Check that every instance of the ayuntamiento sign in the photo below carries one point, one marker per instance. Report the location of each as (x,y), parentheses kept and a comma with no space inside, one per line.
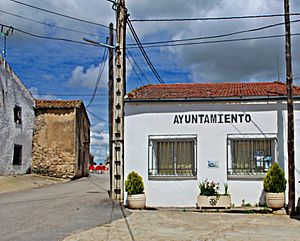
(212,118)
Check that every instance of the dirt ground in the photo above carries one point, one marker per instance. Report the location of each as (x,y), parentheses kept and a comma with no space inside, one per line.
(14,183)
(187,225)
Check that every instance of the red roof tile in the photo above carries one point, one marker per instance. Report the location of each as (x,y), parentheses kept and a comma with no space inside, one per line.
(212,90)
(57,104)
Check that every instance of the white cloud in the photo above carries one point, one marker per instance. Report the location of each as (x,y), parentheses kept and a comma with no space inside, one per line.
(87,78)
(235,61)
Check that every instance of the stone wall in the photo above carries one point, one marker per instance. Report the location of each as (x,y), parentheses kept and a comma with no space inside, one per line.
(53,143)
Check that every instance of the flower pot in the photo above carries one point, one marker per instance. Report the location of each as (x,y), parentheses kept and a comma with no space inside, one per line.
(136,201)
(275,200)
(218,201)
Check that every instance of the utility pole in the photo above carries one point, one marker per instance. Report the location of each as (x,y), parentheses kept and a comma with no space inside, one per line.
(110,95)
(290,110)
(118,105)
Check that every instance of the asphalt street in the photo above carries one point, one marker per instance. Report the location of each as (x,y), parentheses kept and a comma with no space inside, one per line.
(54,212)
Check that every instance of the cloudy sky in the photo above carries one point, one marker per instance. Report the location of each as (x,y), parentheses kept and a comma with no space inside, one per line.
(54,69)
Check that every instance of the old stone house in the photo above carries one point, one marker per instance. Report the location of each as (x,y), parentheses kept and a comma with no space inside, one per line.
(61,139)
(16,122)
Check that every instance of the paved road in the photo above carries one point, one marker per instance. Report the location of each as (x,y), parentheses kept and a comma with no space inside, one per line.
(179,225)
(54,212)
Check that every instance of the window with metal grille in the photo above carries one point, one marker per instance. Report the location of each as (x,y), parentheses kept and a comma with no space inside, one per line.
(172,156)
(251,156)
(18,114)
(17,155)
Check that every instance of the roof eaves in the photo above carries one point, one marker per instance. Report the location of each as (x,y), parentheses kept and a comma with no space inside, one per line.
(240,98)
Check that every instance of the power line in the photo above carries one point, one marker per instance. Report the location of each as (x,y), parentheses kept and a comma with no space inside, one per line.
(212,18)
(59,94)
(140,46)
(217,36)
(101,69)
(136,64)
(47,24)
(102,104)
(97,117)
(134,70)
(49,38)
(60,14)
(216,41)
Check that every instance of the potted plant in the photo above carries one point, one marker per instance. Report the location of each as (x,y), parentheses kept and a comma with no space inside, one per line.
(274,187)
(134,186)
(210,197)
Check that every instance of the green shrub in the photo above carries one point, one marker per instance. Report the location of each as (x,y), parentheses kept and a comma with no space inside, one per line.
(275,181)
(134,184)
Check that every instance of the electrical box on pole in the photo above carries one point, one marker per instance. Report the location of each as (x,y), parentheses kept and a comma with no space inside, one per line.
(117,157)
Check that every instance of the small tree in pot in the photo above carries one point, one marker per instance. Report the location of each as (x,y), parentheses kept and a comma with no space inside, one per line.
(275,186)
(134,186)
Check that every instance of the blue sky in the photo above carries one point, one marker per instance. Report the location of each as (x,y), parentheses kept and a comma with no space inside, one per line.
(64,70)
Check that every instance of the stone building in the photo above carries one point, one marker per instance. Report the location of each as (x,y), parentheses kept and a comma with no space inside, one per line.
(16,122)
(61,139)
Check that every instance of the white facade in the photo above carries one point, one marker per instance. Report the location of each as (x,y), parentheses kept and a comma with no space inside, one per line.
(255,119)
(15,134)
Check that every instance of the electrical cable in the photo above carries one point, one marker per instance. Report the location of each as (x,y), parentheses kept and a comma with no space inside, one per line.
(50,38)
(59,94)
(134,70)
(136,64)
(140,46)
(216,36)
(217,41)
(101,69)
(101,104)
(48,24)
(60,14)
(213,18)
(97,117)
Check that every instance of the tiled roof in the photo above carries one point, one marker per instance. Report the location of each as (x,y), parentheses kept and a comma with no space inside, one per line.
(212,90)
(57,104)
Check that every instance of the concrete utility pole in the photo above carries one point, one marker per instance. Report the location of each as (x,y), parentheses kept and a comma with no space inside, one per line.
(117,163)
(290,110)
(110,94)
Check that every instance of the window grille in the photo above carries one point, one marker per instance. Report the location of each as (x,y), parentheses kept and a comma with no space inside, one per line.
(251,156)
(172,157)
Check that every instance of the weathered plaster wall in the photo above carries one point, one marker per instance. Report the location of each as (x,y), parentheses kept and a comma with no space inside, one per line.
(54,144)
(82,143)
(13,92)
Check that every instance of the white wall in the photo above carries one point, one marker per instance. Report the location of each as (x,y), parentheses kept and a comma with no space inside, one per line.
(13,92)
(297,153)
(144,119)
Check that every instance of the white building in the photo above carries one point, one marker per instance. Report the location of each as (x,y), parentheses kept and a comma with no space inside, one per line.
(16,122)
(178,135)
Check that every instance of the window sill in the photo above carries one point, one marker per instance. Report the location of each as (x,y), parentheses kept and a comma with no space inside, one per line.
(246,177)
(172,178)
